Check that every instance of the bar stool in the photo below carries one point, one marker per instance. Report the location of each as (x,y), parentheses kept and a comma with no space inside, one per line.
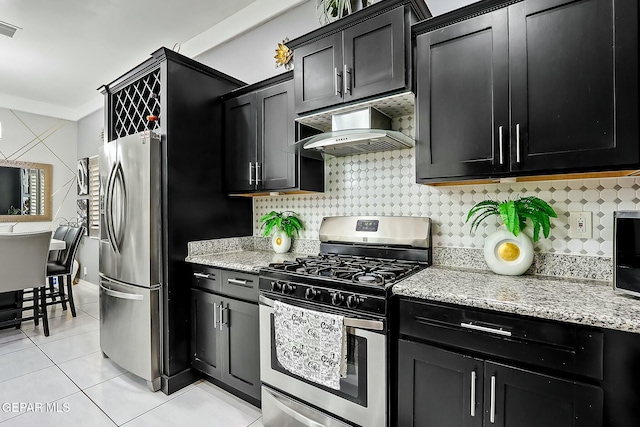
(61,267)
(23,260)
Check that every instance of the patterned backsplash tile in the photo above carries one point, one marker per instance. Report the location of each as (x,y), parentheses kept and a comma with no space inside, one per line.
(383,183)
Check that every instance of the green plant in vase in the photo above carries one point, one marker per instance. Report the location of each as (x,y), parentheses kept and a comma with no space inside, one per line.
(510,251)
(283,225)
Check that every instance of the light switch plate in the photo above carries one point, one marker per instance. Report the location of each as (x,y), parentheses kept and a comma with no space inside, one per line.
(580,225)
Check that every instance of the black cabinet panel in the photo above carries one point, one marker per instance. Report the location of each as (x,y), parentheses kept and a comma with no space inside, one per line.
(527,399)
(374,56)
(241,142)
(242,349)
(564,99)
(462,85)
(205,348)
(260,127)
(536,87)
(276,131)
(436,387)
(318,75)
(366,59)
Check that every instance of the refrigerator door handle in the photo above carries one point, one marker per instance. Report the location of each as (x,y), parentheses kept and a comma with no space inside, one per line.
(121,295)
(122,205)
(108,207)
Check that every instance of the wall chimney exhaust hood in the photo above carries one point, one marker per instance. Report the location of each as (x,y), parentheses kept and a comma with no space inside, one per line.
(358,129)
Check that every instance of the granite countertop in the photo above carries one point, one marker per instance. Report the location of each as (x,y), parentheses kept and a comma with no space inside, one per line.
(591,303)
(250,260)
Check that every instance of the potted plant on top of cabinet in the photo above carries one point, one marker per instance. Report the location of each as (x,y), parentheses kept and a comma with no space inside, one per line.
(507,250)
(284,224)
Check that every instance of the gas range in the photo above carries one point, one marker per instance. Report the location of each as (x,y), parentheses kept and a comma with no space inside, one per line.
(360,260)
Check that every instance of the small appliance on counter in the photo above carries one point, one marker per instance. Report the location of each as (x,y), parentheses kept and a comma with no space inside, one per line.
(626,252)
(360,260)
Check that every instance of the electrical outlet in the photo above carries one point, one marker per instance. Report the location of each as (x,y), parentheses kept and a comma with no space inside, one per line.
(580,225)
(84,272)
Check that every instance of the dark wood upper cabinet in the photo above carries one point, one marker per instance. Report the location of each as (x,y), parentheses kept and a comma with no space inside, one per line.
(463,96)
(276,132)
(538,87)
(318,75)
(260,128)
(363,55)
(374,56)
(241,142)
(574,84)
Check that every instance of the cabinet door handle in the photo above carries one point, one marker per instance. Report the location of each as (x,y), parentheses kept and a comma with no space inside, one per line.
(500,144)
(258,173)
(215,315)
(473,393)
(475,327)
(251,167)
(337,86)
(346,79)
(492,415)
(518,143)
(222,309)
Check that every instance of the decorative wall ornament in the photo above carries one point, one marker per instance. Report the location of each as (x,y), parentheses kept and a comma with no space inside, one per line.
(83,214)
(284,55)
(82,177)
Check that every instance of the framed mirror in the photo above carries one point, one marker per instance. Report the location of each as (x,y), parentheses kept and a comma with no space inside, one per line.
(25,191)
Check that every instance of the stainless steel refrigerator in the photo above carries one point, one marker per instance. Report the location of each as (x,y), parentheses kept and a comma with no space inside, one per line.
(131,278)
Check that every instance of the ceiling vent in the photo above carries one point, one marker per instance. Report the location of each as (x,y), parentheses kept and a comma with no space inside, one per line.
(8,29)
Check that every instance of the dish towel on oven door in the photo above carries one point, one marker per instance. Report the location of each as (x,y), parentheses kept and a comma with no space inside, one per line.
(311,344)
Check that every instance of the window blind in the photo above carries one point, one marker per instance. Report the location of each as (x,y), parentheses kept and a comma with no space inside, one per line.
(94,197)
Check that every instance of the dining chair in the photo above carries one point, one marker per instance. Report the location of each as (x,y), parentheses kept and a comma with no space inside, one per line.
(61,267)
(23,264)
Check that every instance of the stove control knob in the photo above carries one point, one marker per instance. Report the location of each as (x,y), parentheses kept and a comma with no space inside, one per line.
(311,293)
(353,301)
(276,286)
(337,298)
(287,288)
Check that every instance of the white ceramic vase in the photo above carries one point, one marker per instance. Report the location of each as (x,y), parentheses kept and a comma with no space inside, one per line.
(280,242)
(507,254)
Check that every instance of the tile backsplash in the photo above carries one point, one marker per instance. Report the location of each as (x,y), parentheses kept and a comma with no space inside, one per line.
(383,183)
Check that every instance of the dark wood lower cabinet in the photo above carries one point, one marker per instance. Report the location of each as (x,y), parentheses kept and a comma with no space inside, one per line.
(225,341)
(527,399)
(439,388)
(436,387)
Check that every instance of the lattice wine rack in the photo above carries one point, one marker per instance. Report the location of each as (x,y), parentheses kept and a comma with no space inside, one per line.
(133,104)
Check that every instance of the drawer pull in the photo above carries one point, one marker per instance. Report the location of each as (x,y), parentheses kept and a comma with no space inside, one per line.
(486,329)
(204,276)
(238,282)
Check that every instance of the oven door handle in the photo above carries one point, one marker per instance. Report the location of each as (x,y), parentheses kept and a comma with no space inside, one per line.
(374,325)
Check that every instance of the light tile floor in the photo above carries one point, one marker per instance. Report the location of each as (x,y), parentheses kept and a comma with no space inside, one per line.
(63,380)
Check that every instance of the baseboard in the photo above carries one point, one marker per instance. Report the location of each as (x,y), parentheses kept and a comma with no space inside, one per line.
(178,381)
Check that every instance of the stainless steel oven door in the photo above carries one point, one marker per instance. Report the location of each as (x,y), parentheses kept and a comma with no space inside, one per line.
(362,398)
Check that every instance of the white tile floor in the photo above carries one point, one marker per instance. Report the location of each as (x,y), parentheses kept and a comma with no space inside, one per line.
(63,380)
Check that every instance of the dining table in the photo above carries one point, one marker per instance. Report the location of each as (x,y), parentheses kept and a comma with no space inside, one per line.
(57,245)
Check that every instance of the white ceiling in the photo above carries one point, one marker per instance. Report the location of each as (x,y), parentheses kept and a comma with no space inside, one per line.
(66,49)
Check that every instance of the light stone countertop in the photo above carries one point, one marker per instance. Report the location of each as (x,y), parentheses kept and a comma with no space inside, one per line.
(250,261)
(590,303)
